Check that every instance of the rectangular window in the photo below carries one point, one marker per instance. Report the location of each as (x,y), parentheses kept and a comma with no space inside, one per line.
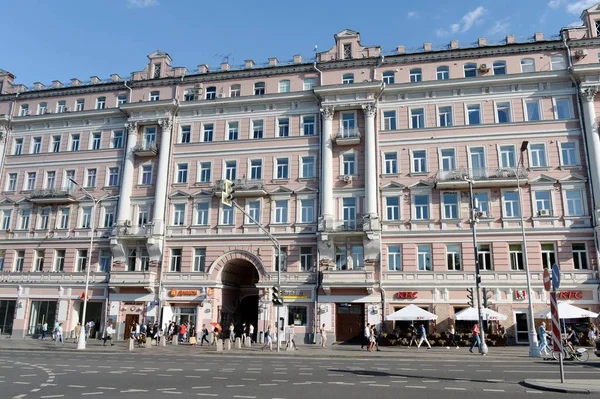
(543,206)
(394,258)
(63,218)
(182,173)
(37,145)
(389,77)
(75,142)
(185,135)
(537,154)
(484,257)
(453,257)
(101,103)
(109,217)
(146,179)
(282,166)
(178,214)
(557,63)
(444,116)
(415,75)
(230,170)
(207,132)
(55,144)
(532,110)
(417,118)
(341,258)
(79,105)
(568,154)
(6,219)
(574,203)
(306,259)
(450,204)
(204,172)
(443,73)
(392,208)
(424,257)
(548,256)
(31,177)
(253,209)
(309,83)
(255,169)
(482,203)
(448,159)
(284,127)
(281,262)
(154,96)
(516,257)
(562,108)
(122,99)
(96,140)
(233,131)
(419,164)
(470,70)
(389,120)
(175,265)
(82,258)
(307,167)
(59,260)
(90,180)
(473,114)
(507,156)
(12,182)
(38,265)
(202,212)
(19,260)
(348,164)
(281,211)
(421,207)
(61,107)
(86,217)
(18,148)
(113,177)
(503,112)
(308,125)
(105,261)
(50,179)
(200,260)
(235,91)
(117,139)
(24,110)
(44,219)
(527,65)
(307,211)
(510,200)
(257,129)
(227,216)
(580,258)
(390,163)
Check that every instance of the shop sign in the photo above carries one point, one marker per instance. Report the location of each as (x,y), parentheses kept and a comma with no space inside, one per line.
(520,295)
(178,293)
(295,294)
(406,295)
(570,295)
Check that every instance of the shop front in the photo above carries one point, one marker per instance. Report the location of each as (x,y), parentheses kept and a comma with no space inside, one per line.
(345,313)
(298,312)
(130,306)
(185,305)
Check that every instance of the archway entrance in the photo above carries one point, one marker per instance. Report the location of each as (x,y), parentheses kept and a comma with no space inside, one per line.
(240,295)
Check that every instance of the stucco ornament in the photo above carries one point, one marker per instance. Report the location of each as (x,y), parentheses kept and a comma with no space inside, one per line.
(588,93)
(328,112)
(369,109)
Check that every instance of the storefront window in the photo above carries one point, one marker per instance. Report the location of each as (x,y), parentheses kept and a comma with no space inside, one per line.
(7,314)
(297,315)
(41,312)
(184,315)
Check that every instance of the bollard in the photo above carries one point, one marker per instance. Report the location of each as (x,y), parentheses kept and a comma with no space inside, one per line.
(163,341)
(220,345)
(228,345)
(130,344)
(238,343)
(248,341)
(175,340)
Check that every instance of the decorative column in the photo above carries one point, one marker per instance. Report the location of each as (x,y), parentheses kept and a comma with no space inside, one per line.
(370,162)
(327,163)
(160,195)
(127,175)
(587,94)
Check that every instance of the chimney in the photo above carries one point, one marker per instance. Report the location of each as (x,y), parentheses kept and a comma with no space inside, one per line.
(273,61)
(427,46)
(203,68)
(114,77)
(20,88)
(538,36)
(38,86)
(75,82)
(482,42)
(510,39)
(249,64)
(297,59)
(224,66)
(56,84)
(453,44)
(180,71)
(400,49)
(94,79)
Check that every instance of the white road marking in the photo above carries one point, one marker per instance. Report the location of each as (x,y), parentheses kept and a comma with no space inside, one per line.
(201,369)
(204,387)
(207,394)
(76,386)
(424,381)
(109,388)
(378,385)
(92,393)
(139,373)
(28,375)
(173,369)
(533,391)
(267,385)
(52,396)
(493,390)
(279,380)
(341,383)
(21,382)
(455,389)
(248,379)
(172,392)
(90,372)
(305,373)
(134,390)
(219,378)
(244,397)
(368,382)
(193,376)
(164,375)
(234,386)
(166,389)
(415,386)
(429,369)
(20,396)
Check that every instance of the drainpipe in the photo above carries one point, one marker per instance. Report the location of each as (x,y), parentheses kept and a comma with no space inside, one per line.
(585,146)
(317,321)
(377,66)
(8,131)
(317,69)
(130,91)
(377,164)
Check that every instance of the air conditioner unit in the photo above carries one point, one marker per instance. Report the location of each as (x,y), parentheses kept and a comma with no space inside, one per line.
(484,68)
(347,178)
(198,86)
(481,214)
(220,95)
(128,223)
(543,212)
(580,53)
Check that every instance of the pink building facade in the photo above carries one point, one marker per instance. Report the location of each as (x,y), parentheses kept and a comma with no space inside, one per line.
(358,162)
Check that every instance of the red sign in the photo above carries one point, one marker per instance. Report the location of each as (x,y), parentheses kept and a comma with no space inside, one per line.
(406,295)
(521,294)
(177,293)
(570,295)
(547,280)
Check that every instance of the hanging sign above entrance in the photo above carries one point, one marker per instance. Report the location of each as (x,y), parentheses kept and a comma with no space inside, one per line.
(570,295)
(178,293)
(406,294)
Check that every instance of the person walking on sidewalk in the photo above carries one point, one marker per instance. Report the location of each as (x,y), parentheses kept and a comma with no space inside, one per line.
(232,333)
(108,333)
(77,331)
(476,338)
(366,337)
(268,340)
(323,336)
(204,335)
(452,337)
(291,342)
(413,334)
(251,333)
(44,330)
(59,334)
(542,335)
(423,337)
(244,333)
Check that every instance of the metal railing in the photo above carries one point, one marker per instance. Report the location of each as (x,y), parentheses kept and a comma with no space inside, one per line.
(241,185)
(482,174)
(357,224)
(144,230)
(348,133)
(53,193)
(146,147)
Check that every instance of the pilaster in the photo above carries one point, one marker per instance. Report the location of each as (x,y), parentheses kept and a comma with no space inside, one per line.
(587,95)
(327,162)
(127,175)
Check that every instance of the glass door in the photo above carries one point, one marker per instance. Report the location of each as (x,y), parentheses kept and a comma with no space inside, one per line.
(348,125)
(521,327)
(349,213)
(41,312)
(477,162)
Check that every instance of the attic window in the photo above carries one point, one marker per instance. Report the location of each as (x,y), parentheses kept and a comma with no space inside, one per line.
(347,51)
(156,72)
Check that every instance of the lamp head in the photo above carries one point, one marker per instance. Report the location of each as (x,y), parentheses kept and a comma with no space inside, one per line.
(524,146)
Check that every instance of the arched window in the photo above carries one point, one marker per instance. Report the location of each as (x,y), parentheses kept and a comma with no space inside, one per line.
(284,86)
(389,77)
(259,88)
(348,78)
(235,91)
(499,67)
(211,93)
(527,65)
(416,75)
(443,73)
(470,70)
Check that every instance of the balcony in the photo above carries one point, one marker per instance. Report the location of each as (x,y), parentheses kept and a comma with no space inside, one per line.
(133,232)
(482,177)
(145,149)
(356,225)
(51,278)
(146,279)
(243,188)
(52,196)
(356,278)
(348,136)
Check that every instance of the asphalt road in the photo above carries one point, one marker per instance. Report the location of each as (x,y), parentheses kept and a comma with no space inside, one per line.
(74,375)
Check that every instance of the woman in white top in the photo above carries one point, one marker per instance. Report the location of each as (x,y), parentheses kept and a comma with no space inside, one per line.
(452,337)
(59,334)
(323,336)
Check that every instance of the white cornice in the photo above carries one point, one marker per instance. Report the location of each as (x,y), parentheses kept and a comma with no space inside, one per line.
(95,113)
(149,105)
(229,101)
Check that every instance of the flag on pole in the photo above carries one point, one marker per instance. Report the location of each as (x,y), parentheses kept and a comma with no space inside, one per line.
(83,295)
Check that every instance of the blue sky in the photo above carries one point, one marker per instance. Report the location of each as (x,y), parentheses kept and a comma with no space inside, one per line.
(61,39)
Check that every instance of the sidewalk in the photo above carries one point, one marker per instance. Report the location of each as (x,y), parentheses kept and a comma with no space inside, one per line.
(573,386)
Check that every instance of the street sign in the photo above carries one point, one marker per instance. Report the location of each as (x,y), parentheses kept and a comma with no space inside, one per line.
(555,276)
(547,280)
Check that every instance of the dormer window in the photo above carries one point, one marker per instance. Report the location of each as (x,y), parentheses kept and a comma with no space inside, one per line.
(597,25)
(101,103)
(154,96)
(211,93)
(389,77)
(156,70)
(348,79)
(259,88)
(347,51)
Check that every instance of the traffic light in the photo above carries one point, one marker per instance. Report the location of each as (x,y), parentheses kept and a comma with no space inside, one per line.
(276,296)
(487,295)
(471,303)
(227,193)
(281,326)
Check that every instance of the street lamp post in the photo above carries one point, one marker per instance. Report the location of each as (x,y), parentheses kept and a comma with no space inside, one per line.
(534,350)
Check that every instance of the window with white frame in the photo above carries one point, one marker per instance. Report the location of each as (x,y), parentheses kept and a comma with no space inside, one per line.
(470,70)
(90,178)
(527,65)
(227,216)
(64,214)
(146,178)
(259,88)
(96,140)
(308,125)
(580,257)
(86,217)
(105,261)
(445,116)
(113,177)
(75,139)
(349,212)
(358,257)
(19,260)
(453,257)
(11,182)
(574,200)
(341,257)
(257,129)
(306,259)
(415,75)
(309,83)
(484,256)
(515,253)
(389,120)
(503,112)
(417,118)
(283,125)
(284,86)
(42,108)
(24,110)
(282,168)
(235,90)
(421,206)
(55,146)
(307,167)
(499,68)
(419,161)
(199,260)
(207,132)
(507,156)
(185,134)
(82,258)
(154,96)
(80,105)
(6,219)
(230,170)
(281,211)
(548,255)
(392,208)
(178,214)
(211,93)
(389,77)
(59,260)
(532,110)
(50,179)
(394,258)
(568,154)
(482,202)
(176,257)
(101,103)
(390,163)
(233,131)
(537,155)
(510,200)
(307,211)
(117,139)
(255,169)
(557,62)
(121,99)
(31,180)
(424,257)
(562,108)
(348,78)
(18,146)
(473,114)
(543,204)
(68,179)
(109,217)
(61,106)
(132,260)
(253,207)
(448,159)
(202,213)
(36,147)
(149,136)
(182,173)
(204,172)
(442,73)
(44,219)
(348,164)
(450,205)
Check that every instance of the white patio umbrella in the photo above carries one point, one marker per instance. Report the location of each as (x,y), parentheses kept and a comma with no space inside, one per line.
(472,314)
(567,311)
(411,313)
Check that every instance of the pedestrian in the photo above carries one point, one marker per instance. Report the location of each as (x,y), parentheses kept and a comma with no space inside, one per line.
(182,332)
(77,331)
(268,340)
(216,332)
(231,332)
(543,343)
(423,337)
(452,337)
(476,338)
(54,330)
(108,333)
(136,331)
(291,342)
(204,335)
(323,336)
(44,329)
(413,334)
(251,333)
(377,334)
(366,336)
(372,339)
(244,333)
(59,334)
(192,334)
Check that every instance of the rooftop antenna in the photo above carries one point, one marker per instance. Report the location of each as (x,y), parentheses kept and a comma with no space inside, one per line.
(225,57)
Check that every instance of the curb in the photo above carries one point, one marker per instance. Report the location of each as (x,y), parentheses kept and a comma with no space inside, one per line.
(547,388)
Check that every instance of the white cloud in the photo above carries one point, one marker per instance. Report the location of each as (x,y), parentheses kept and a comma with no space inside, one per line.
(441,32)
(142,3)
(500,27)
(578,6)
(412,14)
(575,23)
(466,22)
(555,3)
